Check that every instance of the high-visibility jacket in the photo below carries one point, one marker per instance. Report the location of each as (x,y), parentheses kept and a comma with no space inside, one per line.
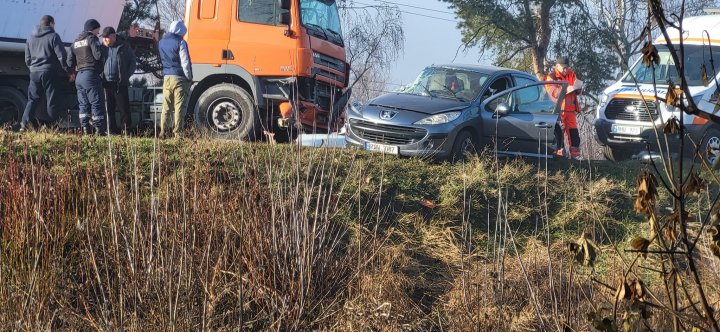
(570,104)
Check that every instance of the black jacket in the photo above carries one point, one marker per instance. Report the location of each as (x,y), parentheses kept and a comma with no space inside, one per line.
(44,51)
(120,63)
(86,53)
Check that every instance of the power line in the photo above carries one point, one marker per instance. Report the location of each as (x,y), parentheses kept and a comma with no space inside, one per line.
(416,7)
(411,13)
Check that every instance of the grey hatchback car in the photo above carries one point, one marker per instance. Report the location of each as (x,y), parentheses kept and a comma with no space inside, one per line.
(451,111)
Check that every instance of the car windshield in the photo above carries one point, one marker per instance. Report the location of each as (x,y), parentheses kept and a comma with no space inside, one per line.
(448,83)
(695,57)
(323,15)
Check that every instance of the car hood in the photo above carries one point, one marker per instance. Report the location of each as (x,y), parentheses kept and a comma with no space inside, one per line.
(419,104)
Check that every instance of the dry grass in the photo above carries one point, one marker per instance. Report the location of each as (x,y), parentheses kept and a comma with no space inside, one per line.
(136,234)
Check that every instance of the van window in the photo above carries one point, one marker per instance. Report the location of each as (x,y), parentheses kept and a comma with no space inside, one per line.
(694,58)
(259,11)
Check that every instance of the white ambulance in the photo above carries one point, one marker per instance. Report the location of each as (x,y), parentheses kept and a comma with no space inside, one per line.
(625,128)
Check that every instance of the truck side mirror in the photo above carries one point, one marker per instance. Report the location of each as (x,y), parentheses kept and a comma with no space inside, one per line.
(284,4)
(285,18)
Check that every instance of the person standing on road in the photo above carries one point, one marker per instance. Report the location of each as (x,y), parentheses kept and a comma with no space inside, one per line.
(120,64)
(562,72)
(45,57)
(177,71)
(86,56)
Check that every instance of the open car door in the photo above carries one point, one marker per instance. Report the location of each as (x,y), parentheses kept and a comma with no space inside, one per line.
(521,121)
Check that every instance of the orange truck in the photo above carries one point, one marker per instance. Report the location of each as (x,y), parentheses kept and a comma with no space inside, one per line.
(266,66)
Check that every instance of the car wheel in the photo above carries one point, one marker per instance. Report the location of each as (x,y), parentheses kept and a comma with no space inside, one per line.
(616,155)
(710,149)
(12,105)
(227,111)
(464,147)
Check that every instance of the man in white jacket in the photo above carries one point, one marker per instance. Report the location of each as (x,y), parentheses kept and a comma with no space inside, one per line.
(177,71)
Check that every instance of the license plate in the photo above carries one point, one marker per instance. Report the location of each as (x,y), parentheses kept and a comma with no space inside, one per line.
(391,149)
(627,130)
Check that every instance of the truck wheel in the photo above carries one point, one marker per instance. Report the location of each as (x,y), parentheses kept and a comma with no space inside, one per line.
(616,154)
(711,146)
(465,146)
(227,111)
(12,105)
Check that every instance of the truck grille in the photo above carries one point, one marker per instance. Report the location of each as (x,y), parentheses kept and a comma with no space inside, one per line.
(330,62)
(631,110)
(386,134)
(324,95)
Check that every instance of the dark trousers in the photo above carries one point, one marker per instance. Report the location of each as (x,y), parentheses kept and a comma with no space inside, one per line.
(573,135)
(91,99)
(43,83)
(118,100)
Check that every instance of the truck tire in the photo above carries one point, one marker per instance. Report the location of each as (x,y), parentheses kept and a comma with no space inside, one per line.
(710,148)
(465,146)
(12,105)
(227,111)
(616,155)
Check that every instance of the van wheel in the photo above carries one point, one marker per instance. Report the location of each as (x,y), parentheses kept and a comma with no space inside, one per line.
(464,147)
(12,105)
(616,154)
(710,148)
(227,111)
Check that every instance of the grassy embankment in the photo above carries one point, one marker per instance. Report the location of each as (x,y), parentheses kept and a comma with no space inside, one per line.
(137,234)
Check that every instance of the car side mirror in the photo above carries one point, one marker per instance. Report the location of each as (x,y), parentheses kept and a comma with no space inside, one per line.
(619,76)
(502,109)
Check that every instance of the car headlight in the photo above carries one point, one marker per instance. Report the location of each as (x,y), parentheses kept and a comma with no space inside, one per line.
(439,118)
(356,107)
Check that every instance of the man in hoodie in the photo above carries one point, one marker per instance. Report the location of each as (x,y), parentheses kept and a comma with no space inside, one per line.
(177,71)
(120,64)
(45,57)
(86,56)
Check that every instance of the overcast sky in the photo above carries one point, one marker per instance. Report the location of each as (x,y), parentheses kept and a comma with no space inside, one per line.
(427,40)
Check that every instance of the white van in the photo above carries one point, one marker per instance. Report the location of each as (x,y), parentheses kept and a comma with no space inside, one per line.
(623,126)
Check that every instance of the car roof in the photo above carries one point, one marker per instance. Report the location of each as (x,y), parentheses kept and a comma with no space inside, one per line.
(483,69)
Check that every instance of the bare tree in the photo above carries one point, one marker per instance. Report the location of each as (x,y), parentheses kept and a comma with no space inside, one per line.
(171,10)
(625,21)
(374,39)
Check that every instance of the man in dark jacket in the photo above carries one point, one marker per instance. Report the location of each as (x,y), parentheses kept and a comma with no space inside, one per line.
(86,56)
(177,71)
(120,64)
(45,57)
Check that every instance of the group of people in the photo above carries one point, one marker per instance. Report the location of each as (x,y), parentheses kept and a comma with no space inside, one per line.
(101,64)
(101,68)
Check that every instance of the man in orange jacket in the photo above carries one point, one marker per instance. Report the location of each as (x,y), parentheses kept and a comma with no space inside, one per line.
(562,72)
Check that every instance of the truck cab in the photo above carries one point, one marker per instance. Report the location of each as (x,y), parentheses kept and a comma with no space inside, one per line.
(266,66)
(629,115)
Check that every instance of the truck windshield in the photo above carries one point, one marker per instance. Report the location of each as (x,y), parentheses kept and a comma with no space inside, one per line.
(448,83)
(322,15)
(695,57)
